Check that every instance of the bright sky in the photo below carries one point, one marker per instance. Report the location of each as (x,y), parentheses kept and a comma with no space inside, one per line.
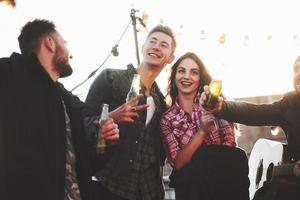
(262,37)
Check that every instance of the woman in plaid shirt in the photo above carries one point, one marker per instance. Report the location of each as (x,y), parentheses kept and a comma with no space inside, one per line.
(186,126)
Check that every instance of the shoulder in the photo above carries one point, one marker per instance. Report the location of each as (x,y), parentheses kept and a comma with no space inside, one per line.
(291,98)
(12,66)
(111,74)
(4,60)
(11,61)
(291,95)
(68,97)
(170,114)
(4,64)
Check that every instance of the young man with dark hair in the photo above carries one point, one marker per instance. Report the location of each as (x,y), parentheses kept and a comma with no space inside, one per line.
(133,166)
(44,152)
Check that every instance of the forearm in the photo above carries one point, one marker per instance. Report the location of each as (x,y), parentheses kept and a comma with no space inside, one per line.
(250,114)
(184,156)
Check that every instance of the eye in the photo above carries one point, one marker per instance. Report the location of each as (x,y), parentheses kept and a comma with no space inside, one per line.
(165,45)
(180,71)
(195,72)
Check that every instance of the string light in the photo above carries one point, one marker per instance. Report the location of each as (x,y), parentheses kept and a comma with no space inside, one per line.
(222,38)
(202,34)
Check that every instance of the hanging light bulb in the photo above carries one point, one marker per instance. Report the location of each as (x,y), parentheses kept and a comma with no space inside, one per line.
(296,39)
(145,17)
(202,34)
(161,21)
(222,38)
(246,40)
(181,29)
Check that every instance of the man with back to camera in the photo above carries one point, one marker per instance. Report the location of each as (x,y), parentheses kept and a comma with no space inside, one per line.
(44,152)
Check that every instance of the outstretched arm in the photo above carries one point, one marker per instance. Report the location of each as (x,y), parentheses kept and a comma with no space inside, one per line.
(246,113)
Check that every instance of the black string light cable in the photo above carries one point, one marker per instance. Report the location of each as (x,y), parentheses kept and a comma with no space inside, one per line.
(113,51)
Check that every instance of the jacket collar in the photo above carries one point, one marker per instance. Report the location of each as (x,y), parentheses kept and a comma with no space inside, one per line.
(32,63)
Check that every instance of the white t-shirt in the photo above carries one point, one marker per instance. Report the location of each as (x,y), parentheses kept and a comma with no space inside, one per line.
(150,109)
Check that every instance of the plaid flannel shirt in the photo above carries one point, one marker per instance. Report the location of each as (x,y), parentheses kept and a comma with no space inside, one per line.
(178,128)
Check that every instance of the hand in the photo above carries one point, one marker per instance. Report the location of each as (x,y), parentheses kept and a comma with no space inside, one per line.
(110,131)
(128,111)
(204,97)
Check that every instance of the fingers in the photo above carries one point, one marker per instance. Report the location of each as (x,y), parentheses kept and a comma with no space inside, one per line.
(110,130)
(134,100)
(220,99)
(141,107)
(108,125)
(206,89)
(207,117)
(203,98)
(95,123)
(204,94)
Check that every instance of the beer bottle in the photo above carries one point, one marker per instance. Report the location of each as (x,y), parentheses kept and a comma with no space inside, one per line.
(101,144)
(215,87)
(134,89)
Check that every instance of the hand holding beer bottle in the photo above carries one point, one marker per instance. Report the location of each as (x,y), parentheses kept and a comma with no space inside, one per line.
(211,97)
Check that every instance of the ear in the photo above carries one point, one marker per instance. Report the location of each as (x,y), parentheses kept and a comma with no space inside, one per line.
(49,43)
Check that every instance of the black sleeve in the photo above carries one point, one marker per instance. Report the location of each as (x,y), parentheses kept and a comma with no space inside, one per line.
(253,114)
(5,69)
(100,91)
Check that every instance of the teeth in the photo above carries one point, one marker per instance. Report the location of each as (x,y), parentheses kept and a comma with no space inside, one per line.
(185,83)
(152,54)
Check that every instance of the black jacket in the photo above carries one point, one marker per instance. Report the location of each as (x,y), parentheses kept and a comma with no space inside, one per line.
(111,87)
(114,86)
(33,133)
(284,113)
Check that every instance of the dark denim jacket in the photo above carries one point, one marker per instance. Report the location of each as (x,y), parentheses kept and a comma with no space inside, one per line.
(111,87)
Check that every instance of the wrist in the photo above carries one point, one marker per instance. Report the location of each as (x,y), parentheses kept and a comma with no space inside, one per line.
(202,132)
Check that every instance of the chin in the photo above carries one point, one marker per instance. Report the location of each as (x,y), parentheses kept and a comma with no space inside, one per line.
(66,71)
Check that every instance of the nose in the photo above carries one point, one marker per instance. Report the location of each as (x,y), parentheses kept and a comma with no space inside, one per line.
(156,46)
(186,75)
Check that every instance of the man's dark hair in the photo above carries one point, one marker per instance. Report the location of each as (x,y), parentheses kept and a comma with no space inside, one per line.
(31,32)
(166,30)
